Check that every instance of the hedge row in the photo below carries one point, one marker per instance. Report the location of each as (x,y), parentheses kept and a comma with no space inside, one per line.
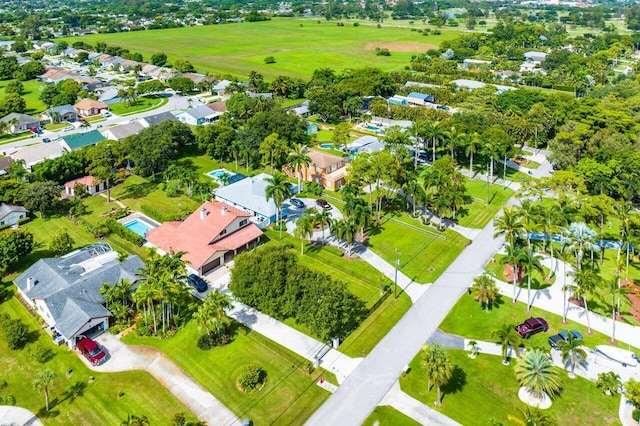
(119,229)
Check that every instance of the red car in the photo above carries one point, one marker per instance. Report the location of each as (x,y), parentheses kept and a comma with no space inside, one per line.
(90,350)
(531,327)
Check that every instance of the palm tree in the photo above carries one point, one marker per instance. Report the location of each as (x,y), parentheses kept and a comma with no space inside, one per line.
(507,336)
(580,238)
(609,381)
(413,189)
(585,281)
(439,368)
(304,229)
(344,229)
(278,190)
(44,383)
(133,420)
(415,130)
(531,262)
(535,371)
(361,216)
(548,218)
(572,352)
(484,290)
(564,255)
(436,132)
(323,219)
(534,416)
(527,211)
(515,257)
(219,303)
(107,293)
(613,288)
(510,225)
(473,143)
(299,158)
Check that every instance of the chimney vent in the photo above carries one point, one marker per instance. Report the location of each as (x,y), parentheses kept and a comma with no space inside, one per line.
(30,283)
(224,210)
(203,213)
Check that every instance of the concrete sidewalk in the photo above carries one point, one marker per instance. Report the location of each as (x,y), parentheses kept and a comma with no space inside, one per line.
(202,404)
(307,347)
(415,409)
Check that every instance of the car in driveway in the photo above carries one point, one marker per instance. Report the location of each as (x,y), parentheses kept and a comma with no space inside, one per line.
(299,204)
(323,204)
(91,350)
(198,283)
(46,140)
(531,326)
(563,336)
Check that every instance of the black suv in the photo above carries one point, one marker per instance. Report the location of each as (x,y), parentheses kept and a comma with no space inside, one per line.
(197,283)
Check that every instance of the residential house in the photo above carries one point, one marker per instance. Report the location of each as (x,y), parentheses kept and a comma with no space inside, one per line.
(260,95)
(472,84)
(324,169)
(220,107)
(117,133)
(93,185)
(88,107)
(210,237)
(65,291)
(469,64)
(220,87)
(21,123)
(420,99)
(249,194)
(197,78)
(109,96)
(149,70)
(5,162)
(156,118)
(36,154)
(365,144)
(538,57)
(80,140)
(88,83)
(398,100)
(11,215)
(6,44)
(199,115)
(60,113)
(302,110)
(418,84)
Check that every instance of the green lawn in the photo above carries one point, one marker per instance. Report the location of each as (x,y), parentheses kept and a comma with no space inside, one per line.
(290,395)
(384,415)
(538,280)
(469,320)
(8,138)
(145,103)
(73,400)
(483,391)
(478,213)
(31,93)
(423,256)
(363,281)
(52,127)
(239,48)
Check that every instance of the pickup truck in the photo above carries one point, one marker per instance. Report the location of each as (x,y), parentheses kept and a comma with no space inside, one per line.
(531,326)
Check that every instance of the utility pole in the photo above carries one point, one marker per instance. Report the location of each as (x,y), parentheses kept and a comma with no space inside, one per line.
(395,278)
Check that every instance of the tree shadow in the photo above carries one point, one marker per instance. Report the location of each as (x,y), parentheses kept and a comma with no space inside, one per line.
(139,190)
(497,303)
(456,383)
(75,391)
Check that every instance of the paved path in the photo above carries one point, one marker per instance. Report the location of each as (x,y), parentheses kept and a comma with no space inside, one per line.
(307,347)
(415,409)
(17,416)
(363,390)
(202,404)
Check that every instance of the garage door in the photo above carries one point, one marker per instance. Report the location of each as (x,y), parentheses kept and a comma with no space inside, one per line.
(210,266)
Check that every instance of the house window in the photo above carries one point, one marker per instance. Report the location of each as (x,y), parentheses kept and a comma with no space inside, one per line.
(224,231)
(243,222)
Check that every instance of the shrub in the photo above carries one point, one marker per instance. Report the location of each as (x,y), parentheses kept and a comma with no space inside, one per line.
(40,353)
(204,342)
(172,189)
(636,415)
(16,333)
(436,32)
(213,339)
(314,189)
(356,24)
(382,51)
(269,60)
(252,378)
(119,229)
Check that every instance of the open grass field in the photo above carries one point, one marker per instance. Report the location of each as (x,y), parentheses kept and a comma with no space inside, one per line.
(423,256)
(32,89)
(75,401)
(290,395)
(145,103)
(299,46)
(478,214)
(483,391)
(388,416)
(363,281)
(468,319)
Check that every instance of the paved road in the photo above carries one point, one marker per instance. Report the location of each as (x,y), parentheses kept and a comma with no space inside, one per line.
(363,390)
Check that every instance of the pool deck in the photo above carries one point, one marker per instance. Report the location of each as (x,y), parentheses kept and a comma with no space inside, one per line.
(140,216)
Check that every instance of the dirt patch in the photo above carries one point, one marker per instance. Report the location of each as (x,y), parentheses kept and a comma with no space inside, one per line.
(401,46)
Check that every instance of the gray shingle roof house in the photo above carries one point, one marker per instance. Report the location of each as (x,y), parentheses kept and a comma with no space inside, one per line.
(117,133)
(65,291)
(21,122)
(10,214)
(157,118)
(60,113)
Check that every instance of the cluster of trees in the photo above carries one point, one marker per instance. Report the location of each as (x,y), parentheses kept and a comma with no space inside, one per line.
(271,280)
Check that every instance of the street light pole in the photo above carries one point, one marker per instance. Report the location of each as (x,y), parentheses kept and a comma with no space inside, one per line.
(395,279)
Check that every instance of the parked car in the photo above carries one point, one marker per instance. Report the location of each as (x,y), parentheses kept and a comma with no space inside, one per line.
(323,203)
(443,107)
(46,140)
(91,350)
(297,203)
(531,326)
(197,283)
(563,336)
(68,129)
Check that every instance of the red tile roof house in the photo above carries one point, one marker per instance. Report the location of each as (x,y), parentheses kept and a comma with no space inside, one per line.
(93,186)
(210,236)
(89,107)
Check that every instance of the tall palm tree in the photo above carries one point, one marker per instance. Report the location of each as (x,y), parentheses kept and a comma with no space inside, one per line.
(613,288)
(585,281)
(527,211)
(565,256)
(472,144)
(572,352)
(439,368)
(531,262)
(413,189)
(580,238)
(547,220)
(344,229)
(44,383)
(515,257)
(510,225)
(299,158)
(323,219)
(535,371)
(415,130)
(107,293)
(507,336)
(304,229)
(624,210)
(434,131)
(361,216)
(484,290)
(278,191)
(220,303)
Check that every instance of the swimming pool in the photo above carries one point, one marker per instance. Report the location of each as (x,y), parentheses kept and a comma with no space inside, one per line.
(139,227)
(326,145)
(372,127)
(217,174)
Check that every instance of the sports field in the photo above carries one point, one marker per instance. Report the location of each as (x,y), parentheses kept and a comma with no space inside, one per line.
(299,46)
